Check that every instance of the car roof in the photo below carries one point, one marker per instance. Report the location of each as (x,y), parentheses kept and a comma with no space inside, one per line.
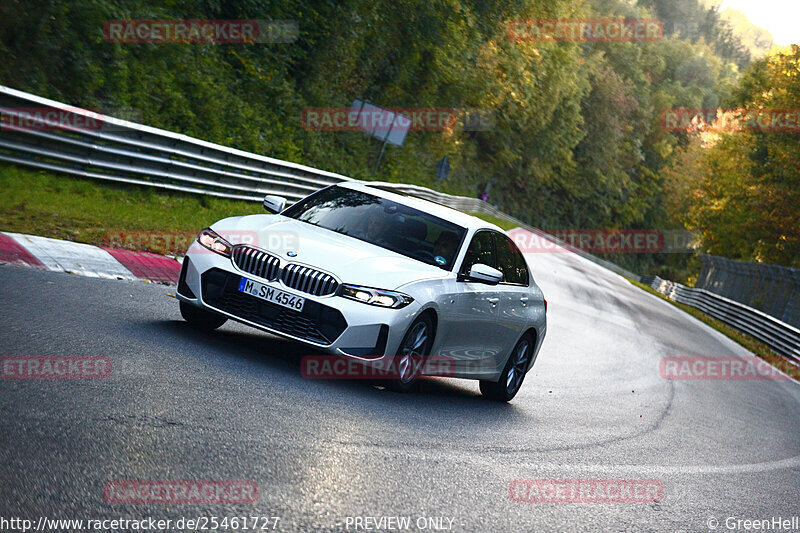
(442,211)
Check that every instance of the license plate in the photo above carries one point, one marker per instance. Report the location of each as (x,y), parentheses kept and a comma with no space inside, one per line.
(271,294)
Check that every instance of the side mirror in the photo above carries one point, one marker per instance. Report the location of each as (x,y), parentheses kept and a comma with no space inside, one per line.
(485,274)
(274,204)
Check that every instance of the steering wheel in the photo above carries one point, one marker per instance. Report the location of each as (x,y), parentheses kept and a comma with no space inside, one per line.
(424,255)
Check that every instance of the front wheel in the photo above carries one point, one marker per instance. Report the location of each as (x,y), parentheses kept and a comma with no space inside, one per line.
(200,318)
(411,354)
(513,374)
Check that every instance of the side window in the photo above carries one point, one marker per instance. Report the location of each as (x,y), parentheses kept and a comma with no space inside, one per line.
(505,259)
(481,250)
(510,261)
(523,276)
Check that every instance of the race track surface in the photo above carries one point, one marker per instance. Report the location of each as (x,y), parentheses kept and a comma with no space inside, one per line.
(232,405)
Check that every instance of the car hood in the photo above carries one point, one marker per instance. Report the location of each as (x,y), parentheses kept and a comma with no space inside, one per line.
(350,259)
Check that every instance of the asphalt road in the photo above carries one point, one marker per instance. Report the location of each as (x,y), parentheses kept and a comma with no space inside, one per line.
(232,405)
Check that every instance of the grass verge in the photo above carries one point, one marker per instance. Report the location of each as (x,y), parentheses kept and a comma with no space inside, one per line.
(496,221)
(104,213)
(753,345)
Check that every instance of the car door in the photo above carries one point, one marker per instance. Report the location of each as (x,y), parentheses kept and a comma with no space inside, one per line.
(513,310)
(473,339)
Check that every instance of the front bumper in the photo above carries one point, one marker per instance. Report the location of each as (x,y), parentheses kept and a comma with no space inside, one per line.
(331,323)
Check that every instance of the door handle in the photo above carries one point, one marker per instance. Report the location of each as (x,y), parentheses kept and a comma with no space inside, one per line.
(493,301)
(524,301)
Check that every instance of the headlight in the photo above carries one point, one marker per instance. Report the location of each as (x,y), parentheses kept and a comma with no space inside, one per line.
(214,242)
(378,297)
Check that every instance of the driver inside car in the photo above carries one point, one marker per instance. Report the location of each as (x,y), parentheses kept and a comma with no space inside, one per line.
(376,228)
(445,245)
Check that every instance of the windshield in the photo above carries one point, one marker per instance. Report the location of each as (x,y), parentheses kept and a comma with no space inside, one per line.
(382,222)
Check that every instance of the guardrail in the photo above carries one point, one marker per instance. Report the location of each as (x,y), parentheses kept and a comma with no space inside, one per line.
(773,289)
(781,337)
(462,203)
(117,150)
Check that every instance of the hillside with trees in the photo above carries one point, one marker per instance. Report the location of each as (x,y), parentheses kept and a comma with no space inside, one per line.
(576,137)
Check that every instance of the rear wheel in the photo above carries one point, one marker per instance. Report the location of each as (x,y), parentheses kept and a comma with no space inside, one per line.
(513,374)
(200,318)
(411,354)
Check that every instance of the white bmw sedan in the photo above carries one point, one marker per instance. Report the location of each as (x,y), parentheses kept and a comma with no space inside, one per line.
(386,280)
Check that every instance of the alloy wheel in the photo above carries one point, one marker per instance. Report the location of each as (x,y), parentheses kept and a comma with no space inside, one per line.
(517,371)
(412,352)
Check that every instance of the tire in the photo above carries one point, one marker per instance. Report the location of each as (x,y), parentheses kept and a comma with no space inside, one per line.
(513,374)
(415,346)
(200,318)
